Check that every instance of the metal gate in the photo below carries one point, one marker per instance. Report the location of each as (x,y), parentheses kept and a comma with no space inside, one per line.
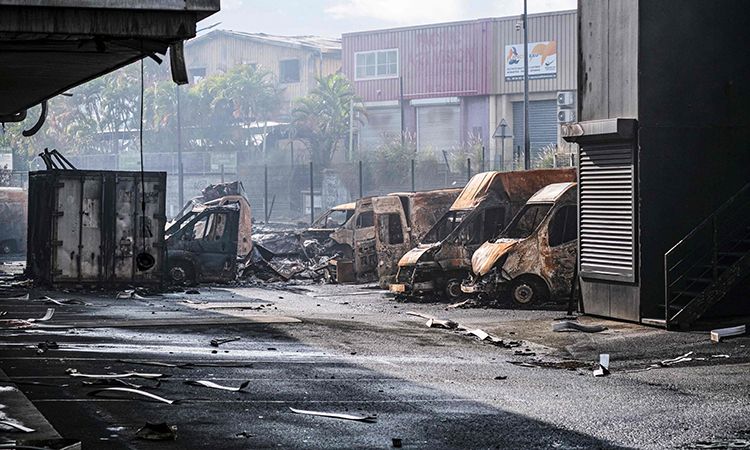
(380,122)
(438,127)
(542,126)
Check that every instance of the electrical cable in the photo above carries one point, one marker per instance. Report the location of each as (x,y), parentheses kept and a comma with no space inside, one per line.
(143,260)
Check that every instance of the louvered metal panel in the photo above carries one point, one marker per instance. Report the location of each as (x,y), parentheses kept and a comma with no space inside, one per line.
(542,125)
(607,212)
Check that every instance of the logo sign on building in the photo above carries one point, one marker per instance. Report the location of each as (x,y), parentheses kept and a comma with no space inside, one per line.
(542,61)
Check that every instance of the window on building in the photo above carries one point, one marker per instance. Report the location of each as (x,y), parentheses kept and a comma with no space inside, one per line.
(377,64)
(197,74)
(289,71)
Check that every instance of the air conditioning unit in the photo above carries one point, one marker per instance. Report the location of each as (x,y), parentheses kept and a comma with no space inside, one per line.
(565,98)
(566,116)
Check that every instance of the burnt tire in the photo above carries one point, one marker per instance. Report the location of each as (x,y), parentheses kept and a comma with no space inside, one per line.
(453,289)
(526,292)
(181,273)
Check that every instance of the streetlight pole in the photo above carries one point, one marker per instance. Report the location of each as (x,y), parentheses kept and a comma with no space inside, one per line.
(526,135)
(180,174)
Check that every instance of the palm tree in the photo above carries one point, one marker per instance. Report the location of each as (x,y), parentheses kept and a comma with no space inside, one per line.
(323,117)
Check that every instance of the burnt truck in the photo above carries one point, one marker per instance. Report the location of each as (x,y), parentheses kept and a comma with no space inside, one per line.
(327,223)
(534,258)
(485,206)
(204,243)
(402,219)
(381,229)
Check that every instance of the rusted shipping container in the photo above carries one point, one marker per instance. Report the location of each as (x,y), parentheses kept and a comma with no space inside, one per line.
(86,227)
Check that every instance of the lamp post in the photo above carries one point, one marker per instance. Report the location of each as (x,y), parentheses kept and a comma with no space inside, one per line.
(526,136)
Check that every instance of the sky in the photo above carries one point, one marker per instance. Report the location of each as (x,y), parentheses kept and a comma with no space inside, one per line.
(331,18)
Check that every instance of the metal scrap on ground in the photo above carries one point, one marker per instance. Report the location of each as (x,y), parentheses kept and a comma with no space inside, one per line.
(17,426)
(721,333)
(603,369)
(62,302)
(110,382)
(679,359)
(335,415)
(133,391)
(15,297)
(148,376)
(47,316)
(218,342)
(568,325)
(212,385)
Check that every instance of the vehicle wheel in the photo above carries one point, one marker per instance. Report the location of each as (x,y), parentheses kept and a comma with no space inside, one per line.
(181,273)
(527,292)
(453,289)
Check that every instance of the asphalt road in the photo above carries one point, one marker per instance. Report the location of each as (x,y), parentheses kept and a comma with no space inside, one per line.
(356,351)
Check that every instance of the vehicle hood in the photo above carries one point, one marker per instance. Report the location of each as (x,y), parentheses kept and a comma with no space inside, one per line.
(487,255)
(414,255)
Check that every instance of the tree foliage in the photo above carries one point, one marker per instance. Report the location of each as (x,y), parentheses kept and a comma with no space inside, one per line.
(322,117)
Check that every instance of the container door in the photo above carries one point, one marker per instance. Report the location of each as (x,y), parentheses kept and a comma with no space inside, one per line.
(391,235)
(365,256)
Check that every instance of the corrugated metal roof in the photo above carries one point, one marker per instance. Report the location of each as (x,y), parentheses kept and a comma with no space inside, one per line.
(312,43)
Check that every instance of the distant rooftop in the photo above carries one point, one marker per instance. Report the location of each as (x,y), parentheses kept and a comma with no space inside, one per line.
(312,43)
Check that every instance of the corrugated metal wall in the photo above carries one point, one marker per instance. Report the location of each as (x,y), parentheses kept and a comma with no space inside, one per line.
(559,26)
(446,59)
(542,125)
(209,54)
(463,58)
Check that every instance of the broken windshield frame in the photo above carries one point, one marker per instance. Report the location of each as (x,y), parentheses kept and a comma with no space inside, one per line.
(527,221)
(445,226)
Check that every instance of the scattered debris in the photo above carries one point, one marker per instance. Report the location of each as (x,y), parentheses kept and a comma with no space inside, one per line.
(397,443)
(526,352)
(17,426)
(441,323)
(47,316)
(212,385)
(148,376)
(679,359)
(603,369)
(46,345)
(719,356)
(110,382)
(15,297)
(154,363)
(501,377)
(521,364)
(244,434)
(721,333)
(133,391)
(462,304)
(721,444)
(218,342)
(193,292)
(62,302)
(568,325)
(335,415)
(18,323)
(157,432)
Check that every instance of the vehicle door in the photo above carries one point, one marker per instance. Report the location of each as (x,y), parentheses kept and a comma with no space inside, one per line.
(558,248)
(365,255)
(211,242)
(392,235)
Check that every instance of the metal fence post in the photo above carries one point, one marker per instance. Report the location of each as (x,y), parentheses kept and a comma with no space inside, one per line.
(360,180)
(482,158)
(265,191)
(468,169)
(312,196)
(413,184)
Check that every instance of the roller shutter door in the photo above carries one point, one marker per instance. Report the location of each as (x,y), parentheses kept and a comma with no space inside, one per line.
(607,239)
(438,127)
(542,125)
(380,122)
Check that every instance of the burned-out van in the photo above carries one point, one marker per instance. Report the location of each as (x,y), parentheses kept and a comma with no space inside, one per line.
(483,209)
(328,222)
(402,220)
(355,240)
(533,259)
